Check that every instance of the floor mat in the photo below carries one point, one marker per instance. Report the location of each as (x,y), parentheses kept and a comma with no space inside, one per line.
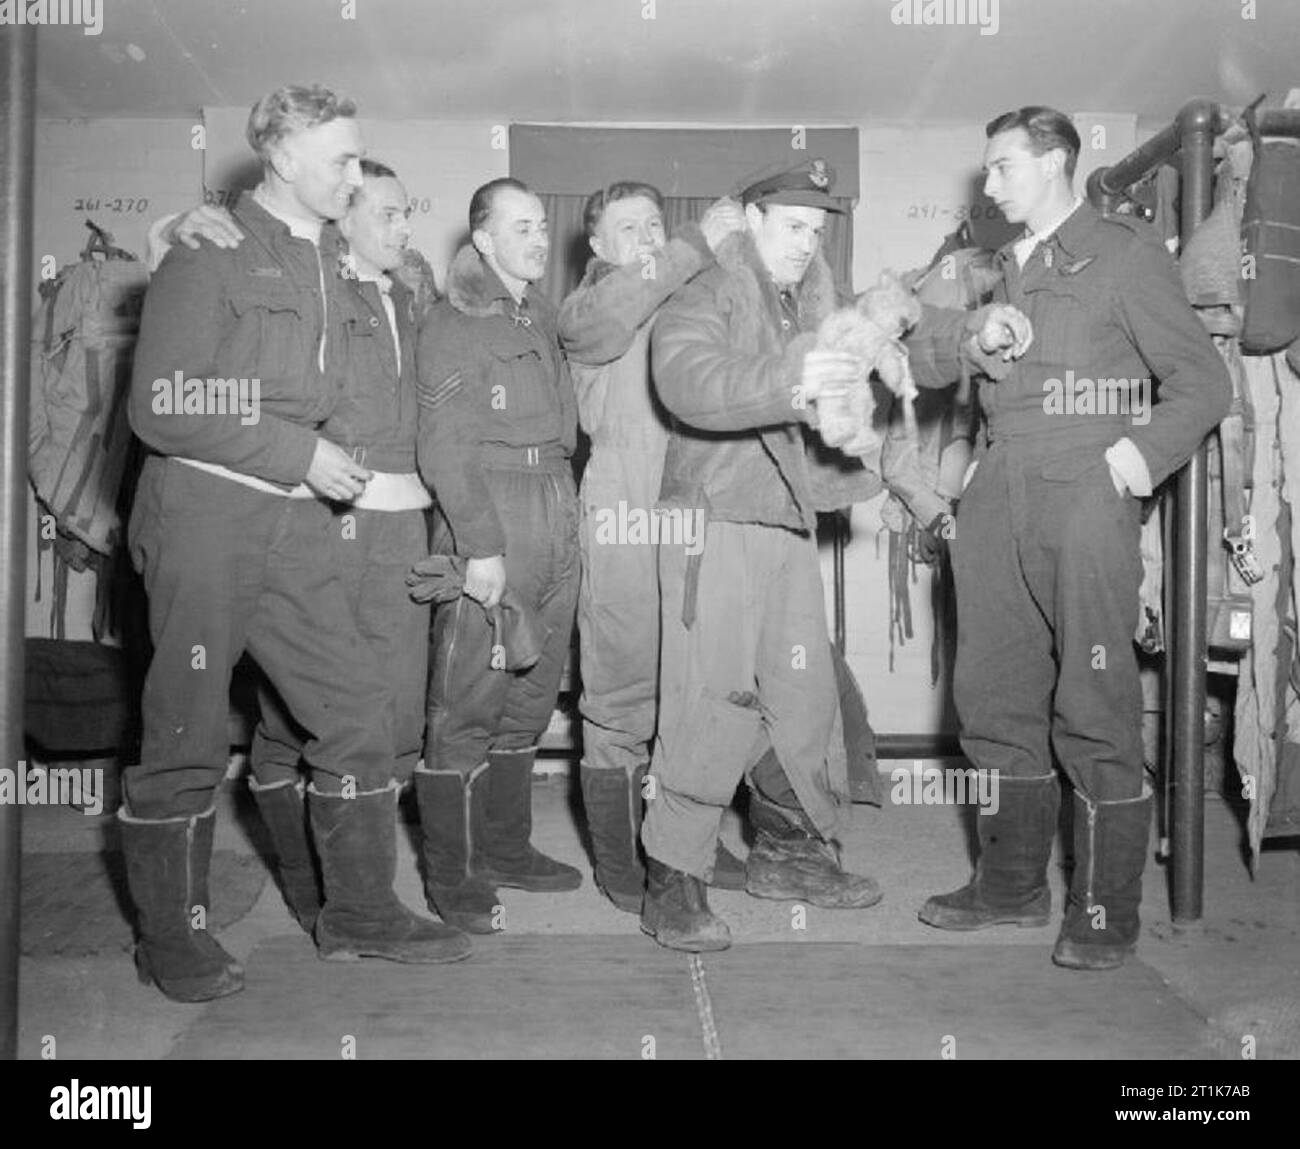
(75,905)
(984,1002)
(529,997)
(558,997)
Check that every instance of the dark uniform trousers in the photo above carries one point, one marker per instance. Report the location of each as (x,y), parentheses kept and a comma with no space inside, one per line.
(475,705)
(1047,569)
(230,569)
(372,551)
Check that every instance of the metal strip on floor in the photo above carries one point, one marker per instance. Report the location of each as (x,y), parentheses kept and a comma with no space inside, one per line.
(704,1009)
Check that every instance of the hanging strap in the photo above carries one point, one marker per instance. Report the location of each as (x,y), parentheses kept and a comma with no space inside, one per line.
(1237,455)
(900,600)
(101,243)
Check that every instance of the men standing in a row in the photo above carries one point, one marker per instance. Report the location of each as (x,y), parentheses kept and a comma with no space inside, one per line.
(229,532)
(498,426)
(746,660)
(1046,552)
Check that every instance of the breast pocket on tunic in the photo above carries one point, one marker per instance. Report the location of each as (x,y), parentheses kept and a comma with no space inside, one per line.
(1065,320)
(273,331)
(363,328)
(360,401)
(517,384)
(1069,309)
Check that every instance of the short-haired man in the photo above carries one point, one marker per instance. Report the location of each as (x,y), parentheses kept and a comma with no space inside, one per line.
(498,426)
(746,659)
(1046,553)
(228,531)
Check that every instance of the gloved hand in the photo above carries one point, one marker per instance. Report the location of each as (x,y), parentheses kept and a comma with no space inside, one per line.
(441,579)
(932,540)
(438,578)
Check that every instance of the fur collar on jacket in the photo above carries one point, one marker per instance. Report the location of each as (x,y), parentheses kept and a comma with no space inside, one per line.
(824,479)
(738,256)
(475,289)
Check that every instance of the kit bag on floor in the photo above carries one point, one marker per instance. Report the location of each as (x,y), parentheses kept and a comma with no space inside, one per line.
(79,696)
(1271,236)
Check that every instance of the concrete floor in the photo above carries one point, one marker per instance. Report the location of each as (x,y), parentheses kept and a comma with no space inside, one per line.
(1238,969)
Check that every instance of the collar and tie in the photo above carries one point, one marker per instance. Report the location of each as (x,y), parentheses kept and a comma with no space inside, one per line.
(1024,246)
(789,305)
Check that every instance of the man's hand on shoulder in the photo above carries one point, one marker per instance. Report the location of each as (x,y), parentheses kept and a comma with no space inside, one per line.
(932,539)
(722,218)
(207,221)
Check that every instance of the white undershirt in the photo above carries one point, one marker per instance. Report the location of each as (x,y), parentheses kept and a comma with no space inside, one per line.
(1024,247)
(384,285)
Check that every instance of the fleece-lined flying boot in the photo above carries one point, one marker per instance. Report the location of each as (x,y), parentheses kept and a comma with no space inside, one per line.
(506,856)
(285,815)
(1110,852)
(612,799)
(356,838)
(167,862)
(451,823)
(1010,882)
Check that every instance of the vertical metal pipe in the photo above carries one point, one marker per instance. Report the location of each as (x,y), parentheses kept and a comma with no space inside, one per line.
(841,520)
(1167,693)
(18,123)
(1197,123)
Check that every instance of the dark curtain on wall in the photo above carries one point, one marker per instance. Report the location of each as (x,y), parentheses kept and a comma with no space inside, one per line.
(692,167)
